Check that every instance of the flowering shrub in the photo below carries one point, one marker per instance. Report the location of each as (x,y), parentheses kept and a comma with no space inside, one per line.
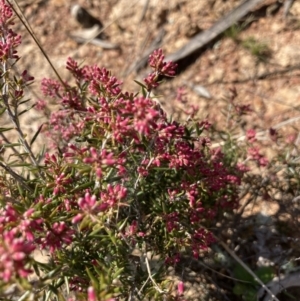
(122,193)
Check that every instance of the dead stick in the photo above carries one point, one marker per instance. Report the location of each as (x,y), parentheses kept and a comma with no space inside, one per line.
(208,35)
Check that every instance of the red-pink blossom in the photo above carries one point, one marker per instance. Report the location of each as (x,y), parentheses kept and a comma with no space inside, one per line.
(14,253)
(51,87)
(180,288)
(156,61)
(58,235)
(91,294)
(251,135)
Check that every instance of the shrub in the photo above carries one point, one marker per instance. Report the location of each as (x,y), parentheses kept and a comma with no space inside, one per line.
(121,193)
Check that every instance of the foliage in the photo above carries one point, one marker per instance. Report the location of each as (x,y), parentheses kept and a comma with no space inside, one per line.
(122,187)
(120,192)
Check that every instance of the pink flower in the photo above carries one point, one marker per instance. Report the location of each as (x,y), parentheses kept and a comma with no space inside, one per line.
(5,12)
(251,135)
(40,105)
(151,81)
(156,61)
(101,81)
(180,288)
(26,77)
(14,252)
(51,87)
(257,156)
(72,66)
(113,194)
(91,294)
(132,228)
(57,235)
(61,182)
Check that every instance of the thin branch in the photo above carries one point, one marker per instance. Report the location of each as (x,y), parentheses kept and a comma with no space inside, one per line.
(5,139)
(237,259)
(17,177)
(260,134)
(14,119)
(145,8)
(150,276)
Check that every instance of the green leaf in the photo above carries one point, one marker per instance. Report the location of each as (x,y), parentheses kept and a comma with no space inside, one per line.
(265,274)
(240,273)
(36,134)
(2,110)
(8,145)
(144,92)
(52,273)
(121,224)
(239,289)
(36,269)
(26,110)
(83,186)
(111,236)
(25,101)
(140,84)
(94,280)
(118,273)
(5,129)
(41,153)
(250,294)
(97,229)
(19,164)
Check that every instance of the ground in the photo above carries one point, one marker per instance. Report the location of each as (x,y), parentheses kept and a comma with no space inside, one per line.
(259,56)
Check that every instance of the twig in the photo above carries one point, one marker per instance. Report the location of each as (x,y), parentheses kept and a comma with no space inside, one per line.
(17,177)
(145,8)
(8,142)
(261,133)
(150,276)
(14,119)
(286,7)
(258,77)
(201,39)
(280,284)
(236,258)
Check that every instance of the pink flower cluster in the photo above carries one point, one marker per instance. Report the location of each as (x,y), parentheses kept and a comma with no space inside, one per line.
(110,197)
(58,235)
(10,40)
(14,253)
(123,161)
(156,61)
(254,151)
(16,242)
(6,13)
(255,155)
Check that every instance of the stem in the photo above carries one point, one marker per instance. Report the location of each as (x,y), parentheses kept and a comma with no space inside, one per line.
(150,276)
(14,119)
(17,177)
(235,257)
